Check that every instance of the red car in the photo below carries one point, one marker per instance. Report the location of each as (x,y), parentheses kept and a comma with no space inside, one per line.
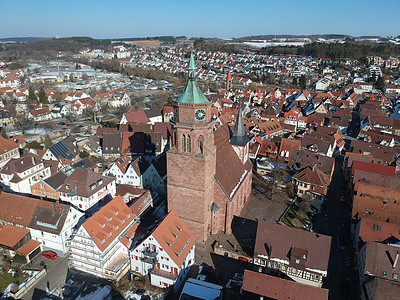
(50,255)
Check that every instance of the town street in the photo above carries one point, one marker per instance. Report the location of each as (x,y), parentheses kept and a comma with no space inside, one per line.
(334,221)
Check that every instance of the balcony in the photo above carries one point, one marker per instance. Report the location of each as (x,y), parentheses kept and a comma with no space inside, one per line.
(150,256)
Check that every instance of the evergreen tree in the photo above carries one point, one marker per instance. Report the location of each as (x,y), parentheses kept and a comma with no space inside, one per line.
(303,82)
(42,96)
(380,83)
(32,95)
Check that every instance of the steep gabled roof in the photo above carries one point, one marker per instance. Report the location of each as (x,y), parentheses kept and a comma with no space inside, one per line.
(19,165)
(230,172)
(174,237)
(109,222)
(85,182)
(313,176)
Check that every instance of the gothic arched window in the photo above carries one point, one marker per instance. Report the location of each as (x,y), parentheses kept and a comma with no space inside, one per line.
(201,143)
(183,143)
(189,145)
(175,139)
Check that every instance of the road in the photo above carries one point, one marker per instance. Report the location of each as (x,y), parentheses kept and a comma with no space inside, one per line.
(57,271)
(334,221)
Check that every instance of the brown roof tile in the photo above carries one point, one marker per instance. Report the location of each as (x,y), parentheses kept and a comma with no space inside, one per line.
(278,288)
(174,237)
(284,238)
(102,226)
(10,235)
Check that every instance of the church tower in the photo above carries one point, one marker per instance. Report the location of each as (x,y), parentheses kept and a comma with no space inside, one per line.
(239,139)
(229,81)
(191,161)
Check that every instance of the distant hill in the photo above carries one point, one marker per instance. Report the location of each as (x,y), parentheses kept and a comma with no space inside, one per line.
(286,36)
(24,39)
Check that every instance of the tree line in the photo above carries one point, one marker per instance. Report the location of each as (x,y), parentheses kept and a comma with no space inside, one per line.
(349,49)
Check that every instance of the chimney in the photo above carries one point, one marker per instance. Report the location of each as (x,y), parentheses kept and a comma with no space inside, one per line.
(53,209)
(33,160)
(396,259)
(270,250)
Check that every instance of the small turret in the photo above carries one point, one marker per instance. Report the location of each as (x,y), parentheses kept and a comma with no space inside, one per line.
(239,139)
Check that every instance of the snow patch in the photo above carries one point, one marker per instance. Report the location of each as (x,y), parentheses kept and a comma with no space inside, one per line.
(324,273)
(238,184)
(102,292)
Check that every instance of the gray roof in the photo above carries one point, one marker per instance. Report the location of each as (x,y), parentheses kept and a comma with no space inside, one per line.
(239,136)
(56,180)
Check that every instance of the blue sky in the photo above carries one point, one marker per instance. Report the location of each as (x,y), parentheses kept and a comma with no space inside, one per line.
(204,18)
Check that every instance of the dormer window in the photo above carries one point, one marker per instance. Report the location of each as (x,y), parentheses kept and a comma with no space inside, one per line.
(103,226)
(103,242)
(110,235)
(67,186)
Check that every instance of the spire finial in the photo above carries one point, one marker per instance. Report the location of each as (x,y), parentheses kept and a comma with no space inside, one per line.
(192,67)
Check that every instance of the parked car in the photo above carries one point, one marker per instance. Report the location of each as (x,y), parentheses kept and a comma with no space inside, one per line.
(50,255)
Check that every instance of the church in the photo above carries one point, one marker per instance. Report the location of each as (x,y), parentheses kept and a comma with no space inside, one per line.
(209,172)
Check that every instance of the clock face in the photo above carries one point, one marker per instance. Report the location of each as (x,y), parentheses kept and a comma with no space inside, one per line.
(200,114)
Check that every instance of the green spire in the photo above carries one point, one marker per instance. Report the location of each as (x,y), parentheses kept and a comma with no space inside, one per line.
(192,93)
(192,66)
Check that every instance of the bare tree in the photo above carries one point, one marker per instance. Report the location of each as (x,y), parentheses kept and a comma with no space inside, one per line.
(72,116)
(23,122)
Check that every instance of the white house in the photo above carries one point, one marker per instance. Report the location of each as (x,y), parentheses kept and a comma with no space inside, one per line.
(126,172)
(85,188)
(322,84)
(155,175)
(20,173)
(167,254)
(100,246)
(41,114)
(50,223)
(60,109)
(154,115)
(114,99)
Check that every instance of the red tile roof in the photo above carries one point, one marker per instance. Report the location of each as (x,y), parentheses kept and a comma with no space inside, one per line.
(315,177)
(174,237)
(138,117)
(7,145)
(372,230)
(10,235)
(28,248)
(109,222)
(373,168)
